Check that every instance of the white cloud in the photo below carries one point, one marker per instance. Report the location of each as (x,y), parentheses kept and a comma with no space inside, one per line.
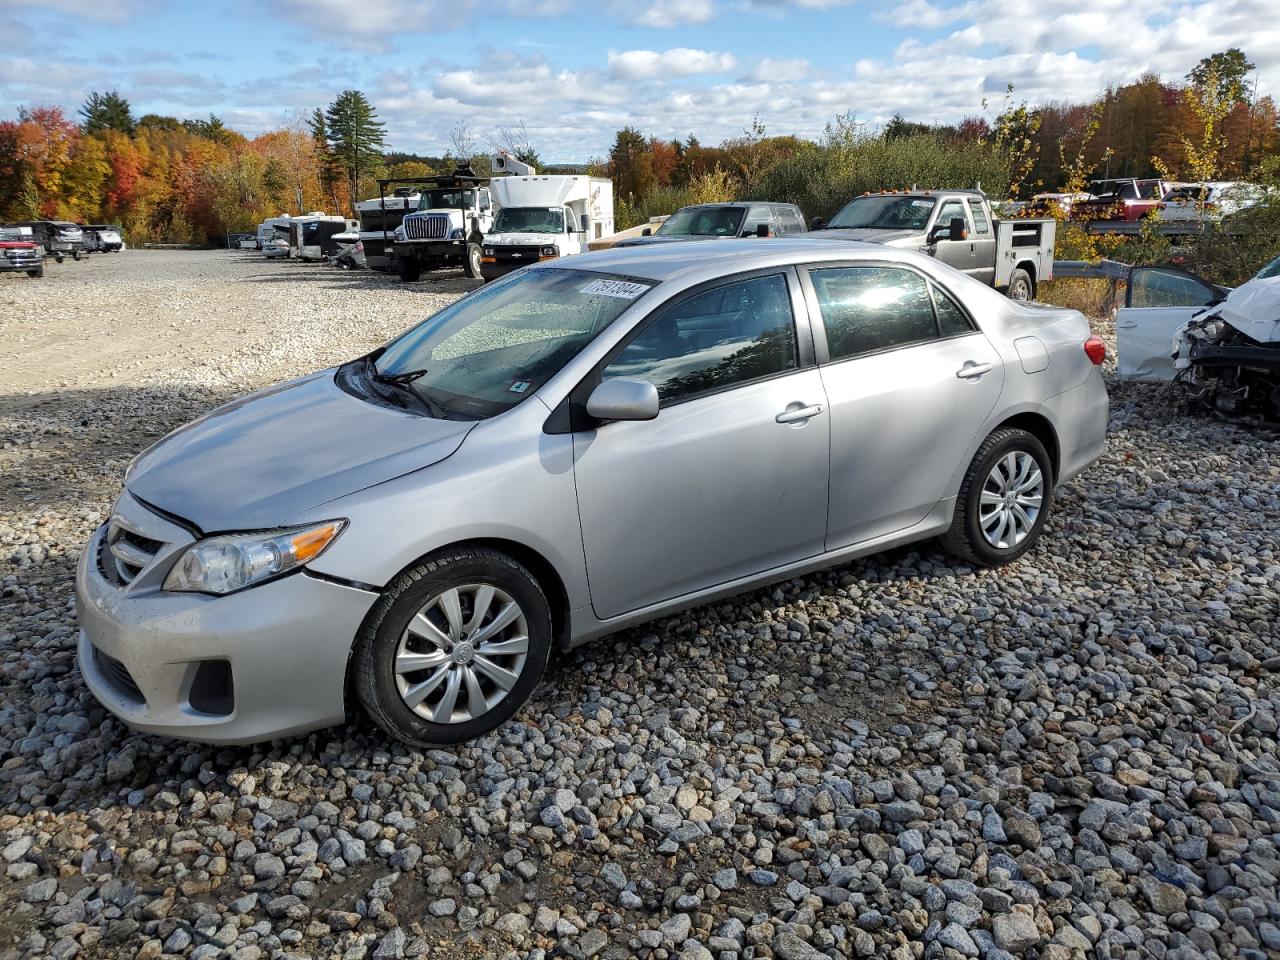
(677,62)
(769,70)
(667,13)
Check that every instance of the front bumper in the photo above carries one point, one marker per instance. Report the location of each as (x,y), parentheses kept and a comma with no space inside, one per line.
(283,644)
(427,249)
(20,264)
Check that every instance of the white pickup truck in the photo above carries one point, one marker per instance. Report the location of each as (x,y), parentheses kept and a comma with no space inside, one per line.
(544,217)
(959,228)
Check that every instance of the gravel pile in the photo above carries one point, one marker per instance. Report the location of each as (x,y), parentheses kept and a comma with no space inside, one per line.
(901,757)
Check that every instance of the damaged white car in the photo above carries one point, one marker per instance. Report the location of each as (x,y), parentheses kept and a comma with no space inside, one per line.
(1221,347)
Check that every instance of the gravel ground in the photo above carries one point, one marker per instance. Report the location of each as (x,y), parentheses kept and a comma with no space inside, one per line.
(901,757)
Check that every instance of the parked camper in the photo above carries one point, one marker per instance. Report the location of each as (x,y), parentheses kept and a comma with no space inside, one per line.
(448,229)
(957,227)
(311,237)
(273,236)
(102,238)
(378,219)
(544,217)
(59,238)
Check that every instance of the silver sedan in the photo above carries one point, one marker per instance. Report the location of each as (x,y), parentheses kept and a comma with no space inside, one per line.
(581,446)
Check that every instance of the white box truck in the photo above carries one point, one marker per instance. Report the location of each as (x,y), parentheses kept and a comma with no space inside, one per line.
(541,217)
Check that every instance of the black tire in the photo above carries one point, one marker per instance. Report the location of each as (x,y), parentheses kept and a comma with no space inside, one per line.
(472,264)
(36,273)
(1020,286)
(76,256)
(57,259)
(373,674)
(410,270)
(966,539)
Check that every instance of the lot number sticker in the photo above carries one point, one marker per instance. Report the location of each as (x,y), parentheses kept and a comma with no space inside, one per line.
(615,288)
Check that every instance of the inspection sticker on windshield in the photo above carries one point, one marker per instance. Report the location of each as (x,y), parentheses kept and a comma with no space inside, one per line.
(615,288)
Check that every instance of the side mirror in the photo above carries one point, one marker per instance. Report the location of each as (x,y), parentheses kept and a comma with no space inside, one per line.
(646,232)
(623,400)
(953,230)
(818,223)
(762,230)
(584,224)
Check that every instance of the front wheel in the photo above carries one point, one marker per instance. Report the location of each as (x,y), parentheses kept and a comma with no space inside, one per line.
(472,265)
(1020,286)
(36,273)
(76,256)
(410,270)
(453,648)
(1004,500)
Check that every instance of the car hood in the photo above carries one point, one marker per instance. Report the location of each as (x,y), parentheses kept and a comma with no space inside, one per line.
(896,238)
(644,241)
(1253,308)
(259,460)
(523,239)
(16,245)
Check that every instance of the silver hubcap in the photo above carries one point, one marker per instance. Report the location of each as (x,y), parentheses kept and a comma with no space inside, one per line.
(1011,499)
(1020,291)
(461,653)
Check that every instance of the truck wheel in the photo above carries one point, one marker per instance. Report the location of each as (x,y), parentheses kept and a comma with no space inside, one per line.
(57,259)
(472,266)
(410,270)
(36,273)
(1020,286)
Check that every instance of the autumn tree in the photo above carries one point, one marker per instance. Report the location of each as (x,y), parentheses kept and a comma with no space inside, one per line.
(356,138)
(106,111)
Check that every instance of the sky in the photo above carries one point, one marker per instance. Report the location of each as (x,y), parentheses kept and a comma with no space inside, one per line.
(575,71)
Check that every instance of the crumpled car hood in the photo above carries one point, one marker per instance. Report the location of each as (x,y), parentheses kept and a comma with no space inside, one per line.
(259,460)
(1253,308)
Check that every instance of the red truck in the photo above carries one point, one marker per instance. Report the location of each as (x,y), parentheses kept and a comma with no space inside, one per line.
(19,254)
(1125,199)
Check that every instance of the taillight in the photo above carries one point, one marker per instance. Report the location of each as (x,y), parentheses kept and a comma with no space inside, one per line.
(1095,349)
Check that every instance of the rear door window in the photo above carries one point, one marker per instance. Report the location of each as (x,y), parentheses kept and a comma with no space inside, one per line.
(980,224)
(867,309)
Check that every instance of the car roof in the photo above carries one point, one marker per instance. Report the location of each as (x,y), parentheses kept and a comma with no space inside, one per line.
(737,203)
(698,260)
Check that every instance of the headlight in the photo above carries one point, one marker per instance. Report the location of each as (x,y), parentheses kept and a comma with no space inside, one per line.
(488,251)
(399,234)
(226,563)
(550,252)
(456,234)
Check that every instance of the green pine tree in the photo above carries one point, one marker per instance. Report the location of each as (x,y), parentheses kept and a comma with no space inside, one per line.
(106,111)
(356,137)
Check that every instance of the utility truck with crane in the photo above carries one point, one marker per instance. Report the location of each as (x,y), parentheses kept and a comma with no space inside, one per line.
(454,213)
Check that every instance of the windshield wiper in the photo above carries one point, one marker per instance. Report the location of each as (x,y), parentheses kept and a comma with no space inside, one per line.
(404,383)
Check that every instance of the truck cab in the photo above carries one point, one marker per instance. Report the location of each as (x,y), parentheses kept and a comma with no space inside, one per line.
(545,217)
(957,227)
(448,228)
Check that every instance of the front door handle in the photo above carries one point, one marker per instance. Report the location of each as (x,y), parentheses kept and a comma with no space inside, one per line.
(972,371)
(795,414)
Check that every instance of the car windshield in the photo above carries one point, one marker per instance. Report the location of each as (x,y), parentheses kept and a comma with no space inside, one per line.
(1272,269)
(488,351)
(528,220)
(9,236)
(448,200)
(885,213)
(703,222)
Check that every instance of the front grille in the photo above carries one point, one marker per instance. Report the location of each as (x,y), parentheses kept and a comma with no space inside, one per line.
(517,254)
(431,227)
(127,552)
(118,676)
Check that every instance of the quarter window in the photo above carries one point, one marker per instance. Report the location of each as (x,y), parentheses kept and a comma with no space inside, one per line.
(865,309)
(716,339)
(951,319)
(980,224)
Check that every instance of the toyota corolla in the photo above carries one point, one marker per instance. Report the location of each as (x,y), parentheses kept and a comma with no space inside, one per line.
(578,447)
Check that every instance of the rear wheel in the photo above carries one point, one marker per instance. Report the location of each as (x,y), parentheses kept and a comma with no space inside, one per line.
(453,648)
(472,266)
(410,270)
(1004,501)
(1020,286)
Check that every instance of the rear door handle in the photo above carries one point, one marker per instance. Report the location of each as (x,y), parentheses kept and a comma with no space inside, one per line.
(798,414)
(972,371)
